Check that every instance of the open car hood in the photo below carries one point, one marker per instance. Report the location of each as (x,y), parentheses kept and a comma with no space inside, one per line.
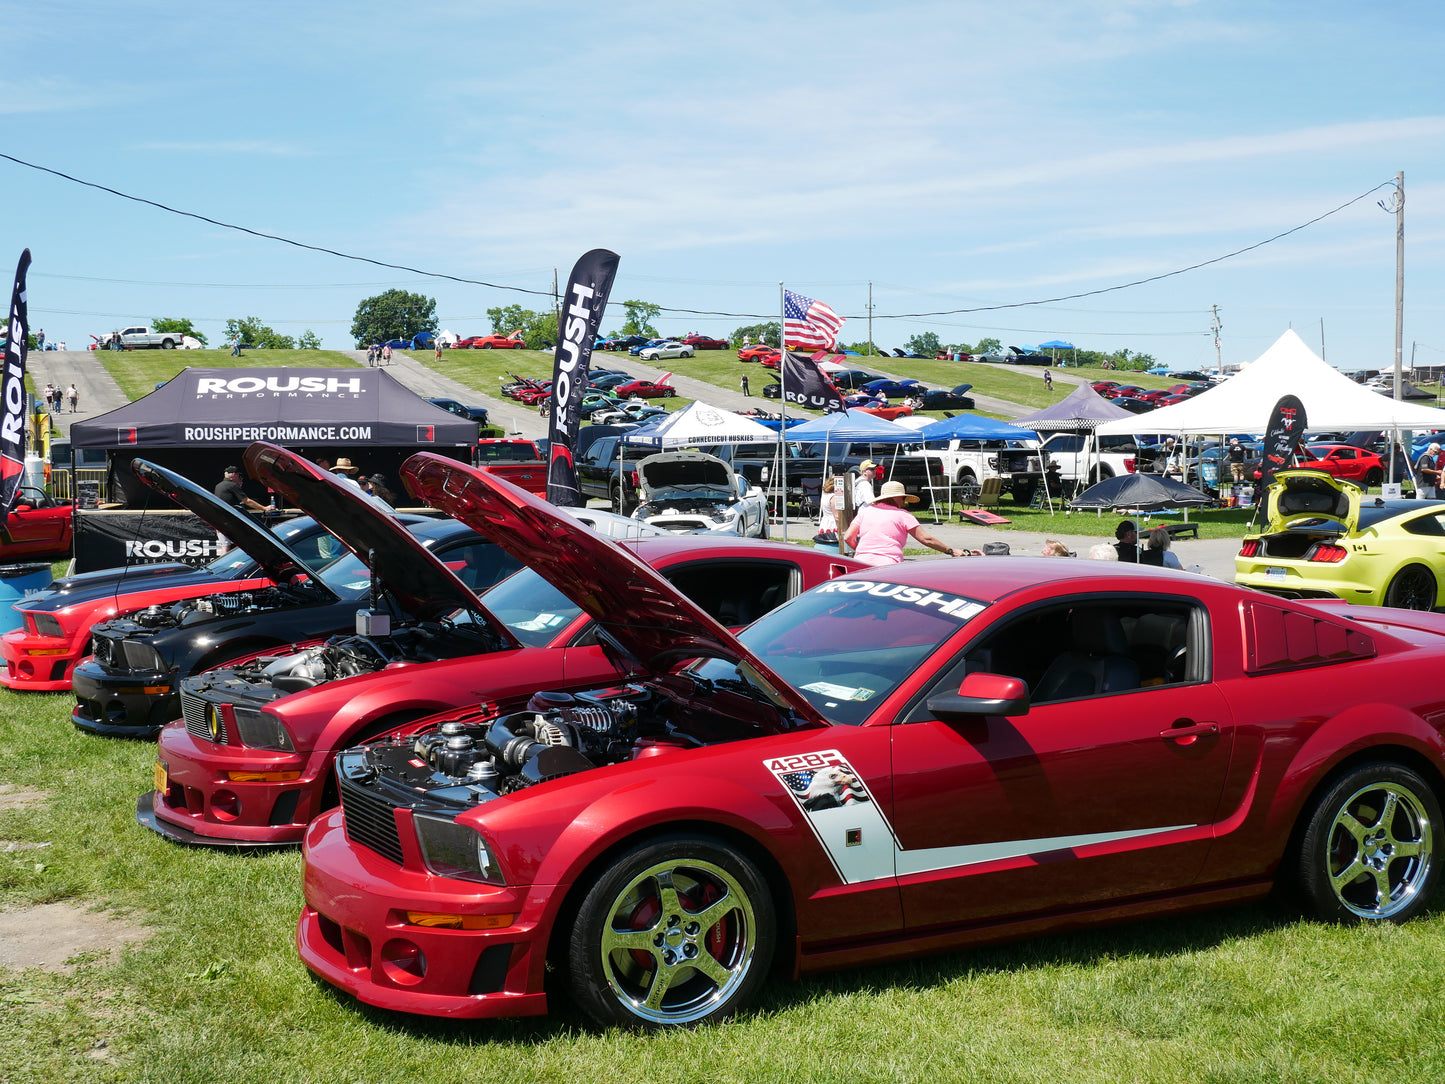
(278,561)
(424,587)
(1297,496)
(671,475)
(631,603)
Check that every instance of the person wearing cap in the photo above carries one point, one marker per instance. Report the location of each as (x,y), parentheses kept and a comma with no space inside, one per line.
(1427,474)
(879,531)
(1127,541)
(863,484)
(229,490)
(347,471)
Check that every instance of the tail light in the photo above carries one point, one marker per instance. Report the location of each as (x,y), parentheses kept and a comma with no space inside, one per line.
(1250,548)
(632,480)
(1129,463)
(1327,553)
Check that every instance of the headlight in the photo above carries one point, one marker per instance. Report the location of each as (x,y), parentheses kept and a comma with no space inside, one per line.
(261,730)
(44,624)
(138,656)
(454,850)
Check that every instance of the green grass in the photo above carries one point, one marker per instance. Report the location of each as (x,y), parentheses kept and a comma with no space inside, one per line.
(217,992)
(136,371)
(1213,522)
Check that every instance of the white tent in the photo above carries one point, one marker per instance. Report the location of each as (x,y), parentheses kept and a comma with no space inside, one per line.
(1242,404)
(699,423)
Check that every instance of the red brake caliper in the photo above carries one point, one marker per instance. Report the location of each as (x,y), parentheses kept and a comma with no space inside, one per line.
(646,912)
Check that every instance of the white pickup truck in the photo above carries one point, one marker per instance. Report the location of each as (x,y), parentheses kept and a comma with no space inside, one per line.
(142,338)
(1083,460)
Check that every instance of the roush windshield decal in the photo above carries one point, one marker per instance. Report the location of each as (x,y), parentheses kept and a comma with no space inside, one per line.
(953,605)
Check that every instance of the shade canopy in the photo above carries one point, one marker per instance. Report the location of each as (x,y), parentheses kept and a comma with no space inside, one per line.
(1056,344)
(974,427)
(850,425)
(1242,404)
(698,423)
(1145,492)
(231,408)
(1084,408)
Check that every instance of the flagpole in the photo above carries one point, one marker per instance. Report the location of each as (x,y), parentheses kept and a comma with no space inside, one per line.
(783,404)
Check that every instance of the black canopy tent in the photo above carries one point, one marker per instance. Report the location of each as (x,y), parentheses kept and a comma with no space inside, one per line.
(201,421)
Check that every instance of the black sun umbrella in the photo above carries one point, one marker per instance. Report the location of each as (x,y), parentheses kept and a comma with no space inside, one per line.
(1143,492)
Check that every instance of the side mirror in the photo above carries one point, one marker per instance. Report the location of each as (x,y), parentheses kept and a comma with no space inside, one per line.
(981,694)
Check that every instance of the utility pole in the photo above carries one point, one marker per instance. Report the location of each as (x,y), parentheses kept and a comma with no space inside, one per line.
(1322,338)
(557,304)
(871,350)
(1218,362)
(1399,280)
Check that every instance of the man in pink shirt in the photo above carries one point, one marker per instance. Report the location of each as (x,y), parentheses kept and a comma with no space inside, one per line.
(879,532)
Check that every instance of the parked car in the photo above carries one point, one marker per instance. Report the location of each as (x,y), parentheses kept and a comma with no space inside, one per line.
(130,686)
(492,342)
(39,526)
(852,379)
(666,350)
(900,762)
(645,388)
(609,382)
(1323,539)
(947,400)
(624,342)
(326,697)
(471,413)
(54,635)
(753,353)
(636,350)
(1343,461)
(692,492)
(705,342)
(894,389)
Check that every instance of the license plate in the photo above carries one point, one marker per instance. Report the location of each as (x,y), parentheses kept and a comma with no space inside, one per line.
(1275,573)
(161,777)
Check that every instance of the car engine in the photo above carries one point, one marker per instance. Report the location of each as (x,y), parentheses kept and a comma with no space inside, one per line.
(192,610)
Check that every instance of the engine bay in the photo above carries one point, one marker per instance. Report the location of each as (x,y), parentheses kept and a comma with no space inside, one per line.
(191,611)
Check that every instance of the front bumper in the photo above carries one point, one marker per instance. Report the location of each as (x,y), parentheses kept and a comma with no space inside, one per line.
(128,704)
(198,801)
(39,664)
(354,933)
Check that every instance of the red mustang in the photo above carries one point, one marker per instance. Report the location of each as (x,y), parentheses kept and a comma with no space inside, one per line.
(902,761)
(705,342)
(38,526)
(491,342)
(1343,461)
(646,389)
(754,353)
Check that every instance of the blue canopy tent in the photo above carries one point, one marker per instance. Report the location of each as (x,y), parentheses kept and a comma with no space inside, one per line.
(974,427)
(1059,344)
(846,426)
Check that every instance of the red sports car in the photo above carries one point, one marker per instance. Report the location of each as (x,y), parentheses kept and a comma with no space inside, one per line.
(213,787)
(753,353)
(645,388)
(704,342)
(491,342)
(38,526)
(902,761)
(887,413)
(1343,461)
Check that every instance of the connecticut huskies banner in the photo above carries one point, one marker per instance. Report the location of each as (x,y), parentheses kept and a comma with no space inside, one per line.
(1282,436)
(582,308)
(12,387)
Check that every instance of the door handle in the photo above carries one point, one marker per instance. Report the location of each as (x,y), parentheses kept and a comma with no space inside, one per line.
(1191,731)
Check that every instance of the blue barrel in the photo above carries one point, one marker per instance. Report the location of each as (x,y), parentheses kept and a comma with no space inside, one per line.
(17,581)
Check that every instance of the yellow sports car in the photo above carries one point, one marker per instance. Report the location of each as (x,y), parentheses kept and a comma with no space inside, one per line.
(1326,538)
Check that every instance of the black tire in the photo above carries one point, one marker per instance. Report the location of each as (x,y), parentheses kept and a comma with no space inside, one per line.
(675,933)
(1370,851)
(166,344)
(966,477)
(668,393)
(1413,588)
(517,346)
(1100,474)
(1374,476)
(486,346)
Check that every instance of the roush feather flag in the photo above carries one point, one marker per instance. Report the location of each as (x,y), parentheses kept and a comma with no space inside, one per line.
(12,395)
(807,386)
(583,305)
(809,323)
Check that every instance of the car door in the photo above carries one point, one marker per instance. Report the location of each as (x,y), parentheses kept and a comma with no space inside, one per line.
(1088,796)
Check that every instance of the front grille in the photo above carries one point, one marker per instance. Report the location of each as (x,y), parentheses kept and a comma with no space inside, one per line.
(103,648)
(369,820)
(193,710)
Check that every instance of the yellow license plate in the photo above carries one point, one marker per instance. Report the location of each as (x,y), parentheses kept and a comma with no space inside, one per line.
(161,778)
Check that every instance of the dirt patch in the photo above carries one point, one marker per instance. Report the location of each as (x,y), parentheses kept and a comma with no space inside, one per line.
(14,796)
(51,935)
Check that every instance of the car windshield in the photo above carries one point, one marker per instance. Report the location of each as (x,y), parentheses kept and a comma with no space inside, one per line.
(847,645)
(530,607)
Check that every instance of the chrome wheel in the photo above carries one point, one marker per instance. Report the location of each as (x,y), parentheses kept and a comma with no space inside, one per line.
(1369,851)
(677,933)
(1413,588)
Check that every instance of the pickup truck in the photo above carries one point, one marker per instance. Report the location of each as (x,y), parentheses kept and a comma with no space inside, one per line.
(1087,462)
(143,338)
(607,469)
(518,461)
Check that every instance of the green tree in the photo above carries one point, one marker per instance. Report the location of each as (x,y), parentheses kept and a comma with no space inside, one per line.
(256,334)
(640,315)
(540,328)
(926,344)
(758,333)
(395,314)
(178,325)
(987,346)
(509,318)
(309,340)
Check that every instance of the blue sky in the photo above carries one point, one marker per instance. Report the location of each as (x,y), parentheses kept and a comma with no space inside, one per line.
(955,154)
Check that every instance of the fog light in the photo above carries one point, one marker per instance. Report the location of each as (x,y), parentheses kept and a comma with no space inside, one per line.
(225,805)
(403,962)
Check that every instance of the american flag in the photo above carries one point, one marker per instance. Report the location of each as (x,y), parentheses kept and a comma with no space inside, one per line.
(809,323)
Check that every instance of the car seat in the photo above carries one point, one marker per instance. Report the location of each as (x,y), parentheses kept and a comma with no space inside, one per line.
(1098,662)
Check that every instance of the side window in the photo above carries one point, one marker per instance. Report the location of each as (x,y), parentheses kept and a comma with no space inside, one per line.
(1087,648)
(736,593)
(481,564)
(318,550)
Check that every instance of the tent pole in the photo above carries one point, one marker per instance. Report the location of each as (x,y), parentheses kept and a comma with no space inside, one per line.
(783,409)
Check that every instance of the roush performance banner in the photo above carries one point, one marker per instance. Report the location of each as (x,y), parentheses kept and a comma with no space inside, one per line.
(12,396)
(582,308)
(1281,437)
(113,539)
(805,385)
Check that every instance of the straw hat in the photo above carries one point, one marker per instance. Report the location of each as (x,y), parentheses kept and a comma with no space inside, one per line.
(344,466)
(895,489)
